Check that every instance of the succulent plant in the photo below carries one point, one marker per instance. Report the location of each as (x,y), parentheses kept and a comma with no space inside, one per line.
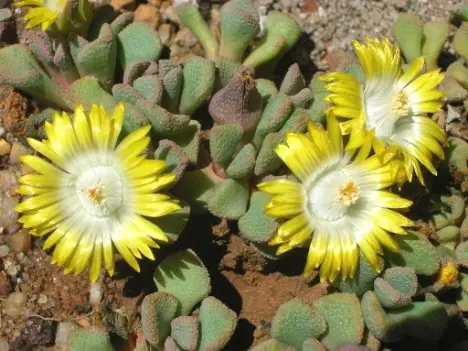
(340,321)
(84,70)
(166,320)
(251,117)
(239,26)
(330,323)
(460,39)
(90,338)
(416,39)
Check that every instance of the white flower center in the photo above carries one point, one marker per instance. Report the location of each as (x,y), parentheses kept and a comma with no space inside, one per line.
(384,103)
(100,191)
(331,196)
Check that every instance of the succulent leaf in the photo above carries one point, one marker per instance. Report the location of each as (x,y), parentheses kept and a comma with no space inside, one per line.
(89,338)
(224,141)
(217,324)
(191,17)
(184,276)
(408,34)
(397,287)
(239,102)
(254,225)
(197,85)
(243,163)
(416,252)
(293,82)
(344,319)
(460,40)
(229,199)
(239,25)
(295,322)
(175,158)
(157,312)
(274,115)
(138,42)
(184,331)
(363,279)
(435,36)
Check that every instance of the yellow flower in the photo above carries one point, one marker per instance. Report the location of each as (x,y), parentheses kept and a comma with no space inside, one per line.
(43,13)
(67,15)
(338,204)
(448,273)
(388,110)
(93,195)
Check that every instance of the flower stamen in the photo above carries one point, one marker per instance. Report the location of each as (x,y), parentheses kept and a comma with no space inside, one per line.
(348,194)
(96,194)
(400,104)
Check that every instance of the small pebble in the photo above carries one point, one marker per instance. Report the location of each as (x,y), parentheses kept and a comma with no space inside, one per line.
(5,286)
(5,147)
(15,304)
(20,241)
(123,4)
(12,270)
(149,14)
(4,250)
(18,149)
(42,299)
(4,345)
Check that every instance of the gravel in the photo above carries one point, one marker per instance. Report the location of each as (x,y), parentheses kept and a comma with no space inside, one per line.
(334,24)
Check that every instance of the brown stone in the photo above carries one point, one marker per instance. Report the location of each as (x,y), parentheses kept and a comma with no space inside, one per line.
(149,14)
(15,114)
(20,241)
(5,286)
(8,216)
(5,147)
(17,150)
(165,33)
(123,4)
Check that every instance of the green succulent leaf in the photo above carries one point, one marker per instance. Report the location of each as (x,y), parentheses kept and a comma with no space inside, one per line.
(243,163)
(295,322)
(239,25)
(184,276)
(363,279)
(224,141)
(435,36)
(157,312)
(217,324)
(293,82)
(460,40)
(229,198)
(416,252)
(19,68)
(98,57)
(89,338)
(397,287)
(344,319)
(151,87)
(184,331)
(270,345)
(138,42)
(254,225)
(408,34)
(190,16)
(274,115)
(198,82)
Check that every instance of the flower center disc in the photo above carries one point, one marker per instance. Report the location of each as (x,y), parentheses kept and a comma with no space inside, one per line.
(100,191)
(400,104)
(332,195)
